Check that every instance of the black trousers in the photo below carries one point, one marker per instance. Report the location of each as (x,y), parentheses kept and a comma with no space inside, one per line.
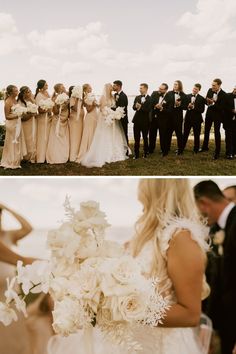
(176,125)
(125,128)
(195,124)
(210,119)
(227,334)
(139,130)
(158,123)
(230,139)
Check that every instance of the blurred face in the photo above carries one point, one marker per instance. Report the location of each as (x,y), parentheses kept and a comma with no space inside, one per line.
(89,89)
(234,91)
(116,88)
(195,90)
(162,89)
(176,86)
(215,87)
(62,89)
(143,90)
(230,194)
(15,92)
(27,94)
(207,207)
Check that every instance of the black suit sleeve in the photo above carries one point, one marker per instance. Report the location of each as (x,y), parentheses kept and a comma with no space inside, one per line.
(134,105)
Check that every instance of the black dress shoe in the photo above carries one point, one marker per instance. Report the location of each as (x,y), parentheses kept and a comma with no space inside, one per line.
(215,157)
(178,153)
(229,157)
(145,156)
(164,154)
(203,149)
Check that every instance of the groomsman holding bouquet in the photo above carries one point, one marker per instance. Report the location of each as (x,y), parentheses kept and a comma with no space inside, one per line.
(159,120)
(193,118)
(141,120)
(216,101)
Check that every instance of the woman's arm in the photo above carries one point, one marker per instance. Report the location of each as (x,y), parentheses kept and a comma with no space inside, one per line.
(25,229)
(10,257)
(186,267)
(7,109)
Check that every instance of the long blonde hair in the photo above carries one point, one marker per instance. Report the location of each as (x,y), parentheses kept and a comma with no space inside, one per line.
(163,200)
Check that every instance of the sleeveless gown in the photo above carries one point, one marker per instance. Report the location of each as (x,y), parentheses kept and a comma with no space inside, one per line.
(153,340)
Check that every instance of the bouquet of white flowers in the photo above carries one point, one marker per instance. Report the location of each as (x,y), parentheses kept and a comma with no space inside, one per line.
(77,92)
(32,108)
(47,104)
(18,110)
(92,281)
(90,99)
(61,99)
(111,115)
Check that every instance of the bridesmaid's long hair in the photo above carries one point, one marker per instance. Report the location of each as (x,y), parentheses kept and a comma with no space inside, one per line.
(70,90)
(9,91)
(40,85)
(23,89)
(56,89)
(85,87)
(163,199)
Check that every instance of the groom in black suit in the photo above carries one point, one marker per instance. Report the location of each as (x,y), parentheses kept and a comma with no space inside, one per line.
(122,101)
(219,211)
(193,118)
(216,101)
(141,120)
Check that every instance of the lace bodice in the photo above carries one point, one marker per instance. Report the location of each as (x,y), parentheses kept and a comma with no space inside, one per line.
(199,233)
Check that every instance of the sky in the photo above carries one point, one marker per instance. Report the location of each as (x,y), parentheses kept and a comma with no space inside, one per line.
(149,41)
(40,200)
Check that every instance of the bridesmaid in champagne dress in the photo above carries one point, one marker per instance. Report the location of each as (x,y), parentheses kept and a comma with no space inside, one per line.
(28,124)
(76,122)
(90,121)
(14,149)
(15,338)
(58,143)
(43,122)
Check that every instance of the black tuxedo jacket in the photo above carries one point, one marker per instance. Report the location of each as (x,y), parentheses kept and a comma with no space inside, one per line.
(142,116)
(218,110)
(154,101)
(170,103)
(230,117)
(199,108)
(122,101)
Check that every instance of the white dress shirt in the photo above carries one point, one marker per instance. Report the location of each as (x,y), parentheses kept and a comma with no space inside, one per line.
(224,215)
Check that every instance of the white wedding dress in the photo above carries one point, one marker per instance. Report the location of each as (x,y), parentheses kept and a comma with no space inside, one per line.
(153,340)
(109,143)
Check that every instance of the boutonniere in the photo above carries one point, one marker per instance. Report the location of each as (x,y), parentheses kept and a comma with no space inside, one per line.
(143,99)
(117,97)
(218,240)
(163,102)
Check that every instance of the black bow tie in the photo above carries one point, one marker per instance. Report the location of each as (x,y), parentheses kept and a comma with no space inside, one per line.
(143,96)
(161,95)
(193,95)
(176,93)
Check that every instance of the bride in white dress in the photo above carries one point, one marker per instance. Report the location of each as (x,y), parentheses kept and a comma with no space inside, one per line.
(109,142)
(170,243)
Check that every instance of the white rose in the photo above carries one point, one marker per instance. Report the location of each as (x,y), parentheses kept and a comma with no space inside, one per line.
(125,270)
(7,314)
(126,308)
(111,249)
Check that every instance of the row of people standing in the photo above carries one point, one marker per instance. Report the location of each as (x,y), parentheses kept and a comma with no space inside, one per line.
(163,111)
(41,137)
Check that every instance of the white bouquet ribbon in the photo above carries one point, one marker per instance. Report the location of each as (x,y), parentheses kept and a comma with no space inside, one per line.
(79,107)
(46,105)
(61,99)
(18,110)
(33,108)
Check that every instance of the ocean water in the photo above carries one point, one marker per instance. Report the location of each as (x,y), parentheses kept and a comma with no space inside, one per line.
(34,245)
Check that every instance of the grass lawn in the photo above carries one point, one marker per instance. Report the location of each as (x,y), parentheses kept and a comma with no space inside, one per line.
(155,165)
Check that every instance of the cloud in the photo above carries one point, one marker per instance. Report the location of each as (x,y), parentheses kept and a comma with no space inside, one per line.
(214,20)
(10,40)
(81,40)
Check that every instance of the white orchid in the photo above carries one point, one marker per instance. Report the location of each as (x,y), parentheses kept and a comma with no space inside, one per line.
(7,314)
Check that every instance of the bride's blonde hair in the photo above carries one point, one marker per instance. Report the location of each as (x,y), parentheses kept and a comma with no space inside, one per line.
(162,199)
